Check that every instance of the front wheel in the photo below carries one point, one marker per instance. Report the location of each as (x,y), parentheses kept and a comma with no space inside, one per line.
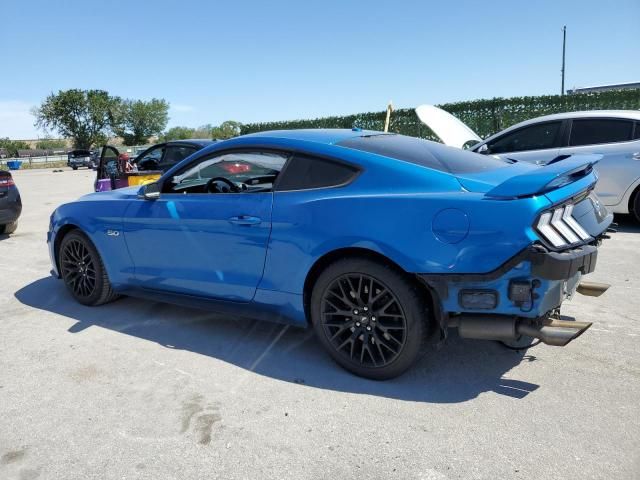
(370,317)
(83,271)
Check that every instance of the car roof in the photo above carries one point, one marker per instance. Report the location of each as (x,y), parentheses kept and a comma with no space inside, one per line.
(625,114)
(631,114)
(328,136)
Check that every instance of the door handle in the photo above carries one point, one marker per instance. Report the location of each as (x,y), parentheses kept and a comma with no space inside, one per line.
(635,156)
(245,220)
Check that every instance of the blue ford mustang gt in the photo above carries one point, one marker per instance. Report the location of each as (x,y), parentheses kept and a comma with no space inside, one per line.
(377,241)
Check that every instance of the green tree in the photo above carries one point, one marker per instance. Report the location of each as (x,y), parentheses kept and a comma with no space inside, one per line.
(85,116)
(177,133)
(136,120)
(203,131)
(51,144)
(226,129)
(12,146)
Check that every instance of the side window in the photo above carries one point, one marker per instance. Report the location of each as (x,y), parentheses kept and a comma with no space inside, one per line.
(231,172)
(305,172)
(151,160)
(175,154)
(601,130)
(636,136)
(534,137)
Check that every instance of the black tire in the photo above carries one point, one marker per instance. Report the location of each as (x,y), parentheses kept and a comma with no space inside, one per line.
(82,270)
(635,205)
(75,168)
(8,228)
(375,336)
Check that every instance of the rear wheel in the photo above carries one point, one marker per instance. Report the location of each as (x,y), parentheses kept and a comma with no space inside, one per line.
(369,317)
(8,228)
(636,205)
(75,168)
(83,271)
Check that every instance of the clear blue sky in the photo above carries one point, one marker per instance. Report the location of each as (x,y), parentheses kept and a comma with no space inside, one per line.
(276,60)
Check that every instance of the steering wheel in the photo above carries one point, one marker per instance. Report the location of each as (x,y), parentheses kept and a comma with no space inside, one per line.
(213,187)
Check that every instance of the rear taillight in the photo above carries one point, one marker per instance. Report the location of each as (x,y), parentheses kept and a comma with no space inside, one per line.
(6,181)
(559,228)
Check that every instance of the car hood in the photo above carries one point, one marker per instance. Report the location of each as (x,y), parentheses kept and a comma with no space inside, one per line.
(118,194)
(448,128)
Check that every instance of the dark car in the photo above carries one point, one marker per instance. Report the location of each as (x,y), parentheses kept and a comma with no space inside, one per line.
(146,166)
(80,158)
(163,156)
(10,203)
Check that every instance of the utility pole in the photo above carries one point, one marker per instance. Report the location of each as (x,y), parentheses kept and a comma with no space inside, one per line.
(388,119)
(564,45)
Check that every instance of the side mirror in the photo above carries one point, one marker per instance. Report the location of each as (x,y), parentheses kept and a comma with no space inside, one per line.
(483,149)
(150,191)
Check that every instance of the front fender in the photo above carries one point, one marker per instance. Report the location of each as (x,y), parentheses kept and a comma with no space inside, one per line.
(102,223)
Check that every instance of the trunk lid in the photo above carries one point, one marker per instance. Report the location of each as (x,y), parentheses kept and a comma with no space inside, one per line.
(525,180)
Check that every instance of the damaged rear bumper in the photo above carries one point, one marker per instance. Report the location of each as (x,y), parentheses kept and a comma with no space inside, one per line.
(519,297)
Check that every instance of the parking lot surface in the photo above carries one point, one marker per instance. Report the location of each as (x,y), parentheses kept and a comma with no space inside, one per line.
(137,389)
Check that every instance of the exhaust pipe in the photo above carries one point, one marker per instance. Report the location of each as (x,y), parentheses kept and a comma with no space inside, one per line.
(592,289)
(554,332)
(550,331)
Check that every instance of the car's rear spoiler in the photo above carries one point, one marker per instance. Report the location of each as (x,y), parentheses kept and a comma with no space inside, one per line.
(546,178)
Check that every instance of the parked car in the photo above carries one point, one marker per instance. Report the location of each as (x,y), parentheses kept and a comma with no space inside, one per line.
(374,240)
(615,134)
(147,166)
(10,203)
(80,158)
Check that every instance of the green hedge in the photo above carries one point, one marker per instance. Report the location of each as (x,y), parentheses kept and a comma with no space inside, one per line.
(485,117)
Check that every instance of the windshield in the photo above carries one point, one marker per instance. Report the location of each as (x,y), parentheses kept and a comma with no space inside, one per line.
(425,153)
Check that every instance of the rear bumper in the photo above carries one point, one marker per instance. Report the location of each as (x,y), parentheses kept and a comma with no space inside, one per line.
(79,163)
(563,265)
(52,254)
(546,278)
(10,207)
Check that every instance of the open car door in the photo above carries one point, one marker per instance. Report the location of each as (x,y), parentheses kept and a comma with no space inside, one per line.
(108,171)
(448,128)
(113,173)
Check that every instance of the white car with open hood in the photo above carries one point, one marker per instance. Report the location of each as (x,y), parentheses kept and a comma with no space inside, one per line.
(615,134)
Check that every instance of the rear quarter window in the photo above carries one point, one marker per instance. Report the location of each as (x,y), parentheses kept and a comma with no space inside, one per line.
(596,131)
(306,172)
(424,153)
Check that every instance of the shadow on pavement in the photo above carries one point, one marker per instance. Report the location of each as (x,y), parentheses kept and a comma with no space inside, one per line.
(459,371)
(627,223)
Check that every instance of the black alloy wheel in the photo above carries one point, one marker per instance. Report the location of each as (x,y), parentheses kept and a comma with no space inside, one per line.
(370,317)
(78,268)
(82,270)
(363,319)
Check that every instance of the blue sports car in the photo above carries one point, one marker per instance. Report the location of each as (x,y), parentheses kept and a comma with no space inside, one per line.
(377,241)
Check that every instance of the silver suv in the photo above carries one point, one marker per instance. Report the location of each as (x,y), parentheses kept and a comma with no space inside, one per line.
(615,134)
